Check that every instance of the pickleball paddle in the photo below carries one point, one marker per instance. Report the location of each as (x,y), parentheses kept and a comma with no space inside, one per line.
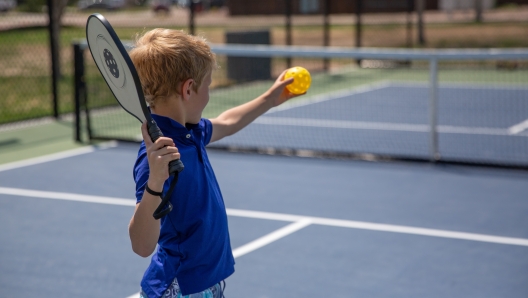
(121,76)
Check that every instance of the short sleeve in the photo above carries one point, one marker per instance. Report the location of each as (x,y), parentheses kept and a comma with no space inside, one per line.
(207,128)
(141,172)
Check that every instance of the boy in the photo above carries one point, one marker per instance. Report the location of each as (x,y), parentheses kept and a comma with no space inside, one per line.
(193,252)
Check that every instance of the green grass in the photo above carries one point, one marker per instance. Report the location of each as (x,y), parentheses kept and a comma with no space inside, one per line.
(29,97)
(24,98)
(25,72)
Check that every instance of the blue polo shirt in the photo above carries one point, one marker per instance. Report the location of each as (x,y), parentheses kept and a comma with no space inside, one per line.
(194,245)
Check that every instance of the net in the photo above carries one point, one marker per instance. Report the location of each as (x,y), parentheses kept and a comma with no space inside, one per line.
(467,106)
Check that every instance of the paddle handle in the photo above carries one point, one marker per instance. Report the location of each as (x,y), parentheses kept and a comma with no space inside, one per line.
(175,166)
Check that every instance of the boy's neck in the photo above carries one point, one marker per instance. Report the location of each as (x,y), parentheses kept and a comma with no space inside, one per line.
(171,108)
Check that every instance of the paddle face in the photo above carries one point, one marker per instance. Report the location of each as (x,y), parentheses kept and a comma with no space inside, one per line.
(121,76)
(116,67)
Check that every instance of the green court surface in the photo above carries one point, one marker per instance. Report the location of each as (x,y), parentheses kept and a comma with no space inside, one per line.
(35,139)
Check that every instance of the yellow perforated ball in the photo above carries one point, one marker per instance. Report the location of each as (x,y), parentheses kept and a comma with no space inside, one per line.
(301,79)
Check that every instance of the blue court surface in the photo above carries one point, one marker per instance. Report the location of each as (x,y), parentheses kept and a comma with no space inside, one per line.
(300,227)
(476,123)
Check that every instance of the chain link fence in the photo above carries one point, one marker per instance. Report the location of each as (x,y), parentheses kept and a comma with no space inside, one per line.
(24,66)
(25,60)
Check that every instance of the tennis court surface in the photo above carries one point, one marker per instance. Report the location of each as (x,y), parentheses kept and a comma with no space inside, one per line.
(300,227)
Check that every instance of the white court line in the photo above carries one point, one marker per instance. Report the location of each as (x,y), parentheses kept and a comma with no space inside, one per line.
(379,126)
(455,85)
(284,217)
(26,124)
(66,196)
(264,240)
(381,85)
(472,130)
(271,237)
(518,128)
(299,222)
(341,124)
(56,156)
(380,227)
(330,96)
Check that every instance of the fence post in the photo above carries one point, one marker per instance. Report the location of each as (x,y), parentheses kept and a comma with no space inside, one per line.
(78,81)
(288,28)
(420,7)
(192,8)
(326,32)
(359,11)
(410,7)
(433,108)
(54,37)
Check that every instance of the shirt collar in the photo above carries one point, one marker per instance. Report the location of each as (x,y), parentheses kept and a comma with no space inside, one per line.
(172,128)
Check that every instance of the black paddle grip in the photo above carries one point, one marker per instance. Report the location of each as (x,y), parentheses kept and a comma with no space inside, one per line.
(155,133)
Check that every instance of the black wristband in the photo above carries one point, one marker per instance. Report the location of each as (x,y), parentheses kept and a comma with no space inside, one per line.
(150,191)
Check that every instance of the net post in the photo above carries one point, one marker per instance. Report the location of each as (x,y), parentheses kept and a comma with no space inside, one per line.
(433,108)
(78,90)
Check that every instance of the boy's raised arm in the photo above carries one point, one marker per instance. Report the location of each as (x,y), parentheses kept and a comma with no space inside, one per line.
(234,119)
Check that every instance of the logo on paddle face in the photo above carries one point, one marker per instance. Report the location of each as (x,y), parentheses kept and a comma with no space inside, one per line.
(111,63)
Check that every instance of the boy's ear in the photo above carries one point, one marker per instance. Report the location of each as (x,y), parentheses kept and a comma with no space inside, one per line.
(187,88)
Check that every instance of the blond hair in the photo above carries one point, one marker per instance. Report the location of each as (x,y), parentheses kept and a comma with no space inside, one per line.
(165,58)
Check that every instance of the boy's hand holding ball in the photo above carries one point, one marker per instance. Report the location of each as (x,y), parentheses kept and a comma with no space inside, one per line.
(291,83)
(301,80)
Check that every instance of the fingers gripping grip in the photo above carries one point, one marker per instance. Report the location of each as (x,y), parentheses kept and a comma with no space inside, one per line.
(175,167)
(155,133)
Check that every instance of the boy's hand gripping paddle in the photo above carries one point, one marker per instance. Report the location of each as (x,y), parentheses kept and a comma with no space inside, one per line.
(121,76)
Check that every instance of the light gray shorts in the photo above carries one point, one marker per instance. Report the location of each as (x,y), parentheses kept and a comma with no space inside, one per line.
(173,291)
